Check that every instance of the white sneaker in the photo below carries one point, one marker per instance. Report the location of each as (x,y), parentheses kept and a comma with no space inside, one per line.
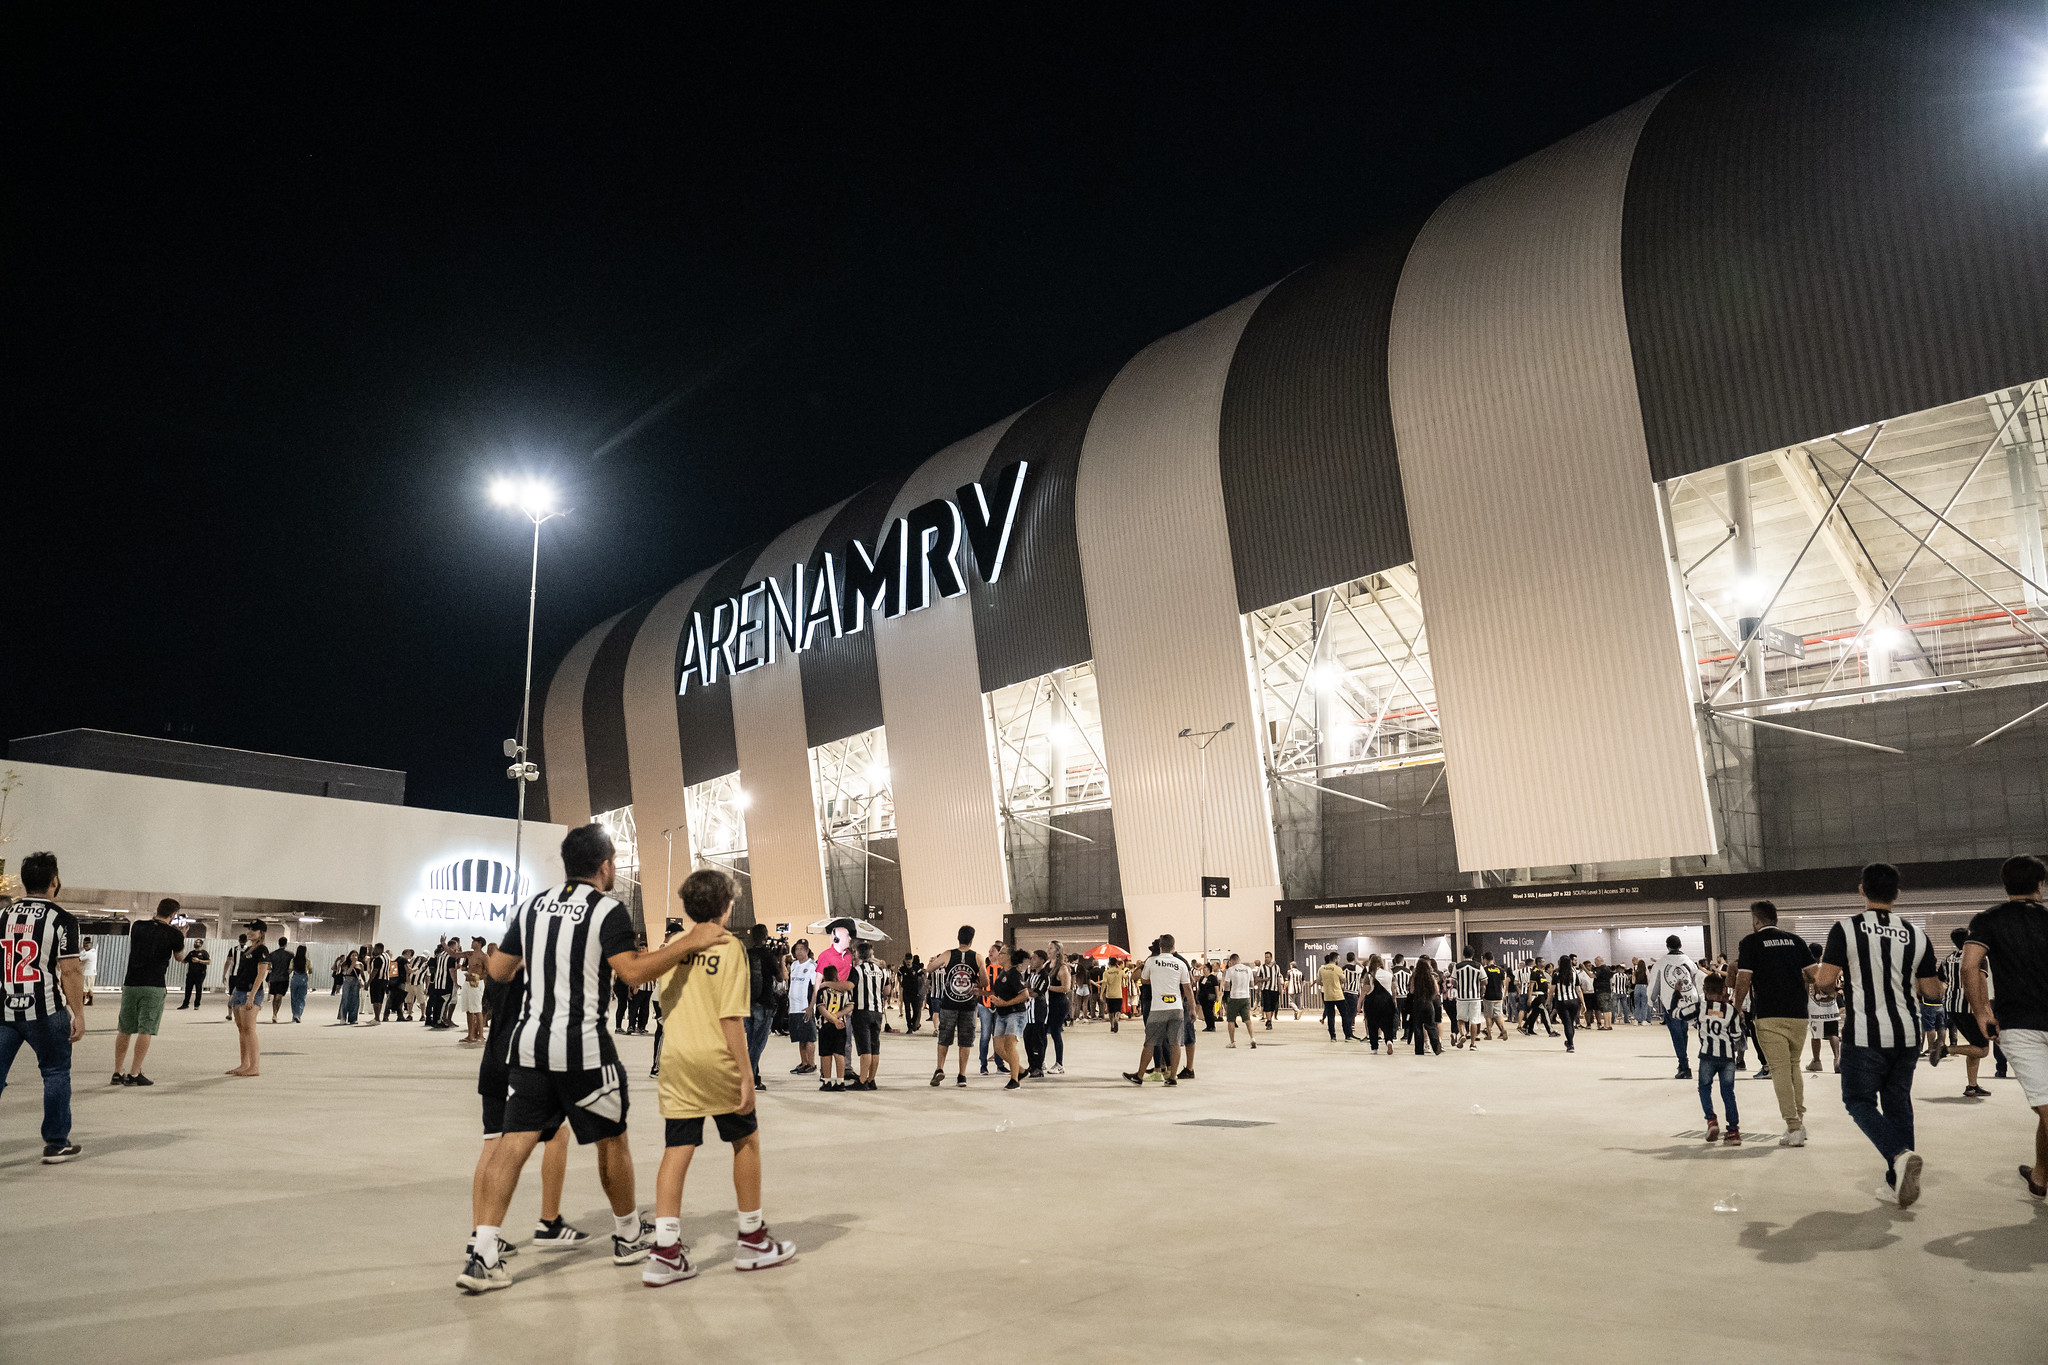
(1795,1137)
(1886,1194)
(758,1250)
(1056,1070)
(478,1278)
(667,1265)
(633,1250)
(1907,1167)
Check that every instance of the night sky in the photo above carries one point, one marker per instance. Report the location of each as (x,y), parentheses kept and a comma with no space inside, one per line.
(284,293)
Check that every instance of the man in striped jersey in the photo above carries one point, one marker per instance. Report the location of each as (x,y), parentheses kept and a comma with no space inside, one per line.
(1269,990)
(43,1004)
(563,1066)
(1882,963)
(870,992)
(1955,1003)
(1404,977)
(1471,983)
(1347,1005)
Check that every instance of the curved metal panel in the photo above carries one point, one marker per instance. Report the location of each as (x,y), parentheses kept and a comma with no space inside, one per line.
(1034,620)
(1169,648)
(604,714)
(653,749)
(783,851)
(1565,716)
(939,773)
(561,723)
(1311,481)
(1839,228)
(704,714)
(842,695)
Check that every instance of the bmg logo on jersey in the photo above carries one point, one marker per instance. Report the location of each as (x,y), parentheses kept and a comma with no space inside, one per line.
(468,891)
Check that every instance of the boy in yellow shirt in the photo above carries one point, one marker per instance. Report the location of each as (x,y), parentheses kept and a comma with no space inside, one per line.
(706,1072)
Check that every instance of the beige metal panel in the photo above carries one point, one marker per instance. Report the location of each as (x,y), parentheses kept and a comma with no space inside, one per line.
(567,778)
(653,747)
(1533,514)
(783,852)
(939,768)
(1169,648)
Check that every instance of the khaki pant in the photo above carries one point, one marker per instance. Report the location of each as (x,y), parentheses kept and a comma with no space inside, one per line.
(1781,1042)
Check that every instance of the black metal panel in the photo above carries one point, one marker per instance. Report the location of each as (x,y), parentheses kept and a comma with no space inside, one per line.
(1034,619)
(1848,226)
(150,756)
(842,690)
(604,713)
(1311,481)
(704,714)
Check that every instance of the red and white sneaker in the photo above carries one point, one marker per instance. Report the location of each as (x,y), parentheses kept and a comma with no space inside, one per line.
(1713,1130)
(757,1250)
(667,1265)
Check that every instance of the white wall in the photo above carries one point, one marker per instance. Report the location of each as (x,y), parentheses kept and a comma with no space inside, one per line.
(153,834)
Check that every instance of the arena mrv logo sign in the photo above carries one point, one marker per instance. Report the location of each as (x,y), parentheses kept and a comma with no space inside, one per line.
(916,554)
(468,891)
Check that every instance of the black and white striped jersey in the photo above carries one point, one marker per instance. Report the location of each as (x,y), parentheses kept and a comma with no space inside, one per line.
(1952,997)
(1881,957)
(1402,977)
(1471,980)
(35,935)
(1720,1029)
(1565,988)
(566,937)
(1268,976)
(870,986)
(1352,978)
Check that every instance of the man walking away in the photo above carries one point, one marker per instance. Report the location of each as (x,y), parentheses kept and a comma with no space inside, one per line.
(1471,984)
(2013,939)
(280,975)
(1639,991)
(1237,1001)
(1675,985)
(1957,1019)
(196,960)
(153,944)
(1492,997)
(493,1078)
(1887,962)
(1330,981)
(706,1073)
(1349,1001)
(958,987)
(1823,1014)
(1770,967)
(570,940)
(910,981)
(1171,1012)
(764,968)
(1269,991)
(42,995)
(1538,996)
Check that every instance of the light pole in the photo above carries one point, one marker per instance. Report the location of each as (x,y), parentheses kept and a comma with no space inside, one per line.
(535,501)
(668,837)
(1203,739)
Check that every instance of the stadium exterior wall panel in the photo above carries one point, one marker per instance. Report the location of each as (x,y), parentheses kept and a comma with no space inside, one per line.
(842,692)
(567,775)
(1559,681)
(605,754)
(704,729)
(653,745)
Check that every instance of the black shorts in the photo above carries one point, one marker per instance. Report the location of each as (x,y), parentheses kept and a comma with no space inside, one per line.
(831,1039)
(593,1102)
(867,1032)
(732,1128)
(490,1086)
(1966,1024)
(1269,1002)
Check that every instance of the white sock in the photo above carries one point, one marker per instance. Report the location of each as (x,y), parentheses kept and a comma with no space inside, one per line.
(487,1245)
(668,1231)
(750,1222)
(626,1225)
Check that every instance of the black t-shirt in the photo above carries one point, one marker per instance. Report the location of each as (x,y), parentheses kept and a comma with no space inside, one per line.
(1776,961)
(250,967)
(281,965)
(1009,984)
(2015,939)
(196,963)
(151,946)
(1496,982)
(1205,990)
(501,1003)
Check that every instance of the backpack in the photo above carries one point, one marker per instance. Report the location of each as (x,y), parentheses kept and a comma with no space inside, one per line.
(960,980)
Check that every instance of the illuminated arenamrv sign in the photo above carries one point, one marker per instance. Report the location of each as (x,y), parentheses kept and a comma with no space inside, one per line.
(468,891)
(917,553)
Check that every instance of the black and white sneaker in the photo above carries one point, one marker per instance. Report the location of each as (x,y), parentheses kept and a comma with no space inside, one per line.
(558,1235)
(506,1251)
(633,1250)
(57,1153)
(478,1278)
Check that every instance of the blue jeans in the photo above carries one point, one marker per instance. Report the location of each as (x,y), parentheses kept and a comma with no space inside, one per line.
(1642,1004)
(1877,1090)
(351,1001)
(986,1017)
(299,983)
(759,1023)
(1681,1034)
(1723,1069)
(50,1040)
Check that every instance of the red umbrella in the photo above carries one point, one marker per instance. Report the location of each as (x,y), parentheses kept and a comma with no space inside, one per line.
(1104,952)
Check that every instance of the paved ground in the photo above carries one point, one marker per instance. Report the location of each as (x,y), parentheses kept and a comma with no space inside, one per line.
(317,1213)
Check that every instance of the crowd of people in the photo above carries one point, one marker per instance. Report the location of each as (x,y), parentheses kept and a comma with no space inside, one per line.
(1874,999)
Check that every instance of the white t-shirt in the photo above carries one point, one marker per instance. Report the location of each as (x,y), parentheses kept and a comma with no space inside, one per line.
(801,976)
(1170,981)
(1237,981)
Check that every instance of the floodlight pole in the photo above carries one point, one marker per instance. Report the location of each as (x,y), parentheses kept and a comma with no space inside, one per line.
(522,771)
(1203,739)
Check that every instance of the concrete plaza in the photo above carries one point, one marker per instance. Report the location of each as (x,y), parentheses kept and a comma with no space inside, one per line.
(1516,1205)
